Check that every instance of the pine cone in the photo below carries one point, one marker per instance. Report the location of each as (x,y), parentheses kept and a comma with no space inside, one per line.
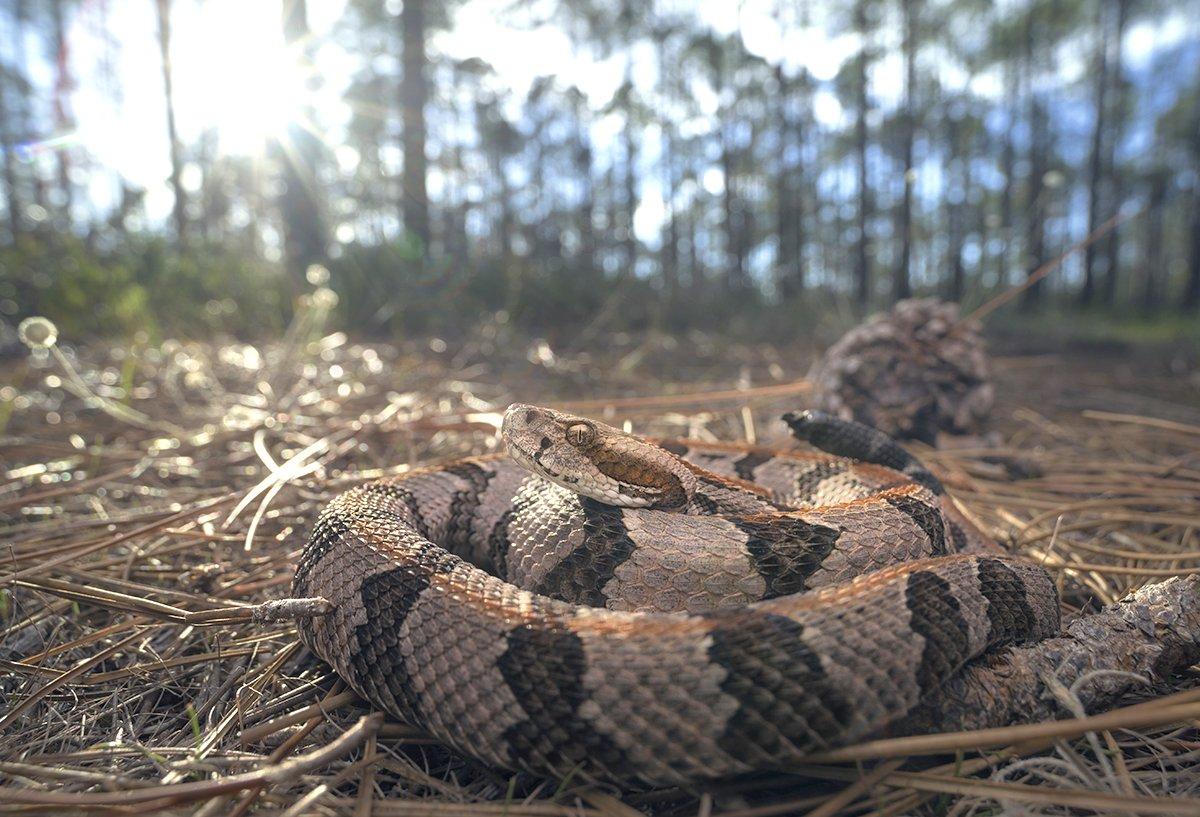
(910,372)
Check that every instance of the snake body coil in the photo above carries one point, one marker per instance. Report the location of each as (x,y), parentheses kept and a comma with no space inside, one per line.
(604,605)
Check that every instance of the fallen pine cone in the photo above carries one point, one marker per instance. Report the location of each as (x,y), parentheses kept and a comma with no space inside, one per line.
(910,372)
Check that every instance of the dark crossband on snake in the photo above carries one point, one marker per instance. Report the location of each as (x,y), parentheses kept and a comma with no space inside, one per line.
(660,612)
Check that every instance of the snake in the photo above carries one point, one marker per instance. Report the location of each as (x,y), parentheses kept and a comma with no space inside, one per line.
(661,612)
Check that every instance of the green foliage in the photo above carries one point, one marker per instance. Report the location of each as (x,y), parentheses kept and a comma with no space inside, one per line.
(389,289)
(1116,327)
(141,285)
(79,290)
(145,286)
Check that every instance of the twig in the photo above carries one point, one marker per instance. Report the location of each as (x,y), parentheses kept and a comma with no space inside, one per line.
(1045,269)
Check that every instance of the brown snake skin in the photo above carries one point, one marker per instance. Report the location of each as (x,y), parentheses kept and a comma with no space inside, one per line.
(660,615)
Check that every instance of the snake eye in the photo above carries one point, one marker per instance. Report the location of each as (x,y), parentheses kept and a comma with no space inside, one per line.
(580,433)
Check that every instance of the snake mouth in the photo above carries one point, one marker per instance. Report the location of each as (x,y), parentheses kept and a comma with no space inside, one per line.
(535,464)
(532,462)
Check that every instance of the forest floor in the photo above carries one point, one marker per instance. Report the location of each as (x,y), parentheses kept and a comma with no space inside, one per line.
(154,496)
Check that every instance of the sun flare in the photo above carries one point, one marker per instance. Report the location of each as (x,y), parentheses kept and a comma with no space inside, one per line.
(238,75)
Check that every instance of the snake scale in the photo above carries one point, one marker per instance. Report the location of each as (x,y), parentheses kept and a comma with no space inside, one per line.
(652,614)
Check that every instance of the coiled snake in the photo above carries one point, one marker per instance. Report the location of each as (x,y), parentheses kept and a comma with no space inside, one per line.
(660,614)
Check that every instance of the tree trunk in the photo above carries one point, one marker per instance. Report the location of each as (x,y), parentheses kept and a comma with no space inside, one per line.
(508,221)
(1096,159)
(789,195)
(735,257)
(630,182)
(179,208)
(414,93)
(1112,242)
(581,160)
(862,270)
(1035,241)
(587,209)
(28,122)
(1191,290)
(62,116)
(670,244)
(959,168)
(691,261)
(210,192)
(461,244)
(785,269)
(800,195)
(536,219)
(303,225)
(12,193)
(1008,162)
(1155,238)
(901,278)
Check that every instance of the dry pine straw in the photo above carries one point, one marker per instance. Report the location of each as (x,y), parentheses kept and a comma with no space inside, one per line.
(142,675)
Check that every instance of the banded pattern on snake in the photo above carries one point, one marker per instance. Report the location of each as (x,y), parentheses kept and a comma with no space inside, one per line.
(660,614)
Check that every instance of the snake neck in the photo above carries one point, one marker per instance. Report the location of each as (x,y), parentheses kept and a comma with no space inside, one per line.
(713,493)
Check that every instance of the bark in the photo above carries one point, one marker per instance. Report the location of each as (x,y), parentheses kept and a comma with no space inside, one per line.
(414,94)
(179,208)
(862,270)
(1150,635)
(901,275)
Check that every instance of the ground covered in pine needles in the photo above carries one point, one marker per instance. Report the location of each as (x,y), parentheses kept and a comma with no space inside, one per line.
(155,495)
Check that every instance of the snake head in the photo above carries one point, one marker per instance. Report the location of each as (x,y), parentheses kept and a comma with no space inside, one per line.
(596,460)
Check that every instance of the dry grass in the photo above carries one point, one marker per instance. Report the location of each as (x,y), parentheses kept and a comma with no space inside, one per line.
(155,497)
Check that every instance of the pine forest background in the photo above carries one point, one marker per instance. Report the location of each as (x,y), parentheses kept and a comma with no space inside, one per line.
(746,167)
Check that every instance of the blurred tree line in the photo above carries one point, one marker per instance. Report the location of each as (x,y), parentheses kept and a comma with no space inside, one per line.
(450,196)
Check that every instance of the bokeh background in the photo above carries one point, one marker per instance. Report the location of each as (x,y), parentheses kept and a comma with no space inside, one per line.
(574,167)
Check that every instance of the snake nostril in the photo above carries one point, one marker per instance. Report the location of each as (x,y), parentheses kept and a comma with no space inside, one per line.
(530,415)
